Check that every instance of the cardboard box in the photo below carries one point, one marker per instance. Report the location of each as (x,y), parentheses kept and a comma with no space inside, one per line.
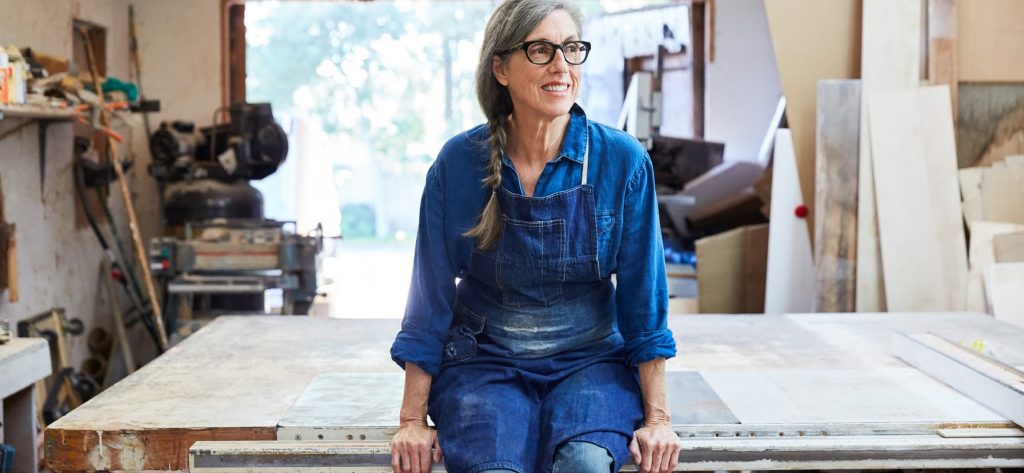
(731,269)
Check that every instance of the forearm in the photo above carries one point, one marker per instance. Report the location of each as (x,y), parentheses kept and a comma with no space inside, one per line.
(414,399)
(652,387)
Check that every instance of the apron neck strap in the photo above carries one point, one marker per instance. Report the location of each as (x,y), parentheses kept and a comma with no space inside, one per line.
(586,161)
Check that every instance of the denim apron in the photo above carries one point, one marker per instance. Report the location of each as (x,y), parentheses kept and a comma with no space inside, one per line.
(533,359)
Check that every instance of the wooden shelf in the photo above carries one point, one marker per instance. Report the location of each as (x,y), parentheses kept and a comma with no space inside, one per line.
(35,112)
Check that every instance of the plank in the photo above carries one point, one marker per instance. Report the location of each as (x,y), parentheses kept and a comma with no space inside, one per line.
(1008,248)
(1002,191)
(790,271)
(890,60)
(1004,285)
(238,377)
(213,386)
(696,454)
(365,406)
(834,54)
(990,35)
(23,361)
(835,232)
(981,254)
(731,271)
(961,433)
(970,190)
(916,179)
(942,51)
(994,385)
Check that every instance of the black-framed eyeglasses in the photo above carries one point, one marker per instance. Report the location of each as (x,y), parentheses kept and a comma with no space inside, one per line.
(542,52)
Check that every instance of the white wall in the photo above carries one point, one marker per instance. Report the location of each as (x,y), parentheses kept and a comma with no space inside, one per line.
(179,42)
(59,263)
(742,86)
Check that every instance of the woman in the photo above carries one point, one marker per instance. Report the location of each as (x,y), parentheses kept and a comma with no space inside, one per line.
(533,361)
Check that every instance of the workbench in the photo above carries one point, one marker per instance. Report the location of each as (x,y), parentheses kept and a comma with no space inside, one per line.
(23,361)
(817,390)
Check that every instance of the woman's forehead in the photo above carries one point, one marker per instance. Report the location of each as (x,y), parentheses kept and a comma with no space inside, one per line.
(558,26)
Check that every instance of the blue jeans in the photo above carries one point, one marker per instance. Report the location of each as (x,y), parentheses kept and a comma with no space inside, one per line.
(576,457)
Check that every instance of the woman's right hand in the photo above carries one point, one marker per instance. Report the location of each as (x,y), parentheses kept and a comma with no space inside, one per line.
(410,448)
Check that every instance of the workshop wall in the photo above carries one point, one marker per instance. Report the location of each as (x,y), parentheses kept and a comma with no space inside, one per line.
(179,43)
(742,81)
(59,261)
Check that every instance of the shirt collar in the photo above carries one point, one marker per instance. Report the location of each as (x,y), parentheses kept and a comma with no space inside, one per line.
(574,145)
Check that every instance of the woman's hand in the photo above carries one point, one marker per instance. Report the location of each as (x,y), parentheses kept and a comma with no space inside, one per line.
(655,448)
(410,448)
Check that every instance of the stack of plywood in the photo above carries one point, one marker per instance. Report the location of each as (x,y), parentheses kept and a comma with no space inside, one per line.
(731,271)
(993,208)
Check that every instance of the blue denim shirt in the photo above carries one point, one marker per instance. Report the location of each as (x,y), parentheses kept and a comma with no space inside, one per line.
(623,179)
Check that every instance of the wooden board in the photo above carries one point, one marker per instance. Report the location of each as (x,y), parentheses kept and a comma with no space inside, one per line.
(942,51)
(238,377)
(970,192)
(917,190)
(1004,285)
(1008,248)
(997,387)
(991,33)
(790,273)
(1002,194)
(890,60)
(216,385)
(23,361)
(731,271)
(835,232)
(980,254)
(833,54)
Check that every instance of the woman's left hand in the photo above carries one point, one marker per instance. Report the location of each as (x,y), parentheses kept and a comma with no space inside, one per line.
(655,448)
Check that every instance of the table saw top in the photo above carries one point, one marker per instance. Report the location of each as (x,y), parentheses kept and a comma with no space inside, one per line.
(252,378)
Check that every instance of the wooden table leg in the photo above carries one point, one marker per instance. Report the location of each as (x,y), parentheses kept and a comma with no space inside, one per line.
(19,429)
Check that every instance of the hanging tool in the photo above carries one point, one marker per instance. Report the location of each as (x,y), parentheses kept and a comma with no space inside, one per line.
(137,65)
(133,222)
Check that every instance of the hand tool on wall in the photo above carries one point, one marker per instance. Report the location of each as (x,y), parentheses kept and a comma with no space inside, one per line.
(140,251)
(137,65)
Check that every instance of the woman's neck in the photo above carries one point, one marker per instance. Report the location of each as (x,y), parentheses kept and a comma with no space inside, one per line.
(535,142)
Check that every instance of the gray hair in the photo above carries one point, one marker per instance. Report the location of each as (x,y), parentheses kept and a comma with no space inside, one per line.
(509,25)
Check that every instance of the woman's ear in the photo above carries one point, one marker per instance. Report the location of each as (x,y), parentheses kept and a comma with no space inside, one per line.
(498,69)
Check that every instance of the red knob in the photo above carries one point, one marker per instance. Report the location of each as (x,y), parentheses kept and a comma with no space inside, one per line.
(801,211)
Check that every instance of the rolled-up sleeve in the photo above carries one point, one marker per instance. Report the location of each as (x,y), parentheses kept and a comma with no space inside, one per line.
(641,294)
(428,310)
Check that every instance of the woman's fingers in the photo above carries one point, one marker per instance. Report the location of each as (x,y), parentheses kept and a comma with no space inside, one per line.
(634,450)
(437,449)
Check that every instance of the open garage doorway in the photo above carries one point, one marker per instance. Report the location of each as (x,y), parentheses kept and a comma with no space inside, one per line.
(368,93)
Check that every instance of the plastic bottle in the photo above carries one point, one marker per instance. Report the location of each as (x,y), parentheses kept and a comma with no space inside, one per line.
(18,77)
(5,72)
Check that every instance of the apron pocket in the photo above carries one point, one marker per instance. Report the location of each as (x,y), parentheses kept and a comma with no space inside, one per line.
(532,257)
(461,342)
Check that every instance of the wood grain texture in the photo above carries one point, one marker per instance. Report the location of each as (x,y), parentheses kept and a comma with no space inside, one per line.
(1002,194)
(990,35)
(835,232)
(238,377)
(1008,248)
(790,264)
(890,60)
(731,272)
(924,251)
(1004,286)
(215,384)
(980,254)
(942,51)
(833,54)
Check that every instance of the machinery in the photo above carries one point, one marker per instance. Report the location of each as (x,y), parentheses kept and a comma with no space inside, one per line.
(220,254)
